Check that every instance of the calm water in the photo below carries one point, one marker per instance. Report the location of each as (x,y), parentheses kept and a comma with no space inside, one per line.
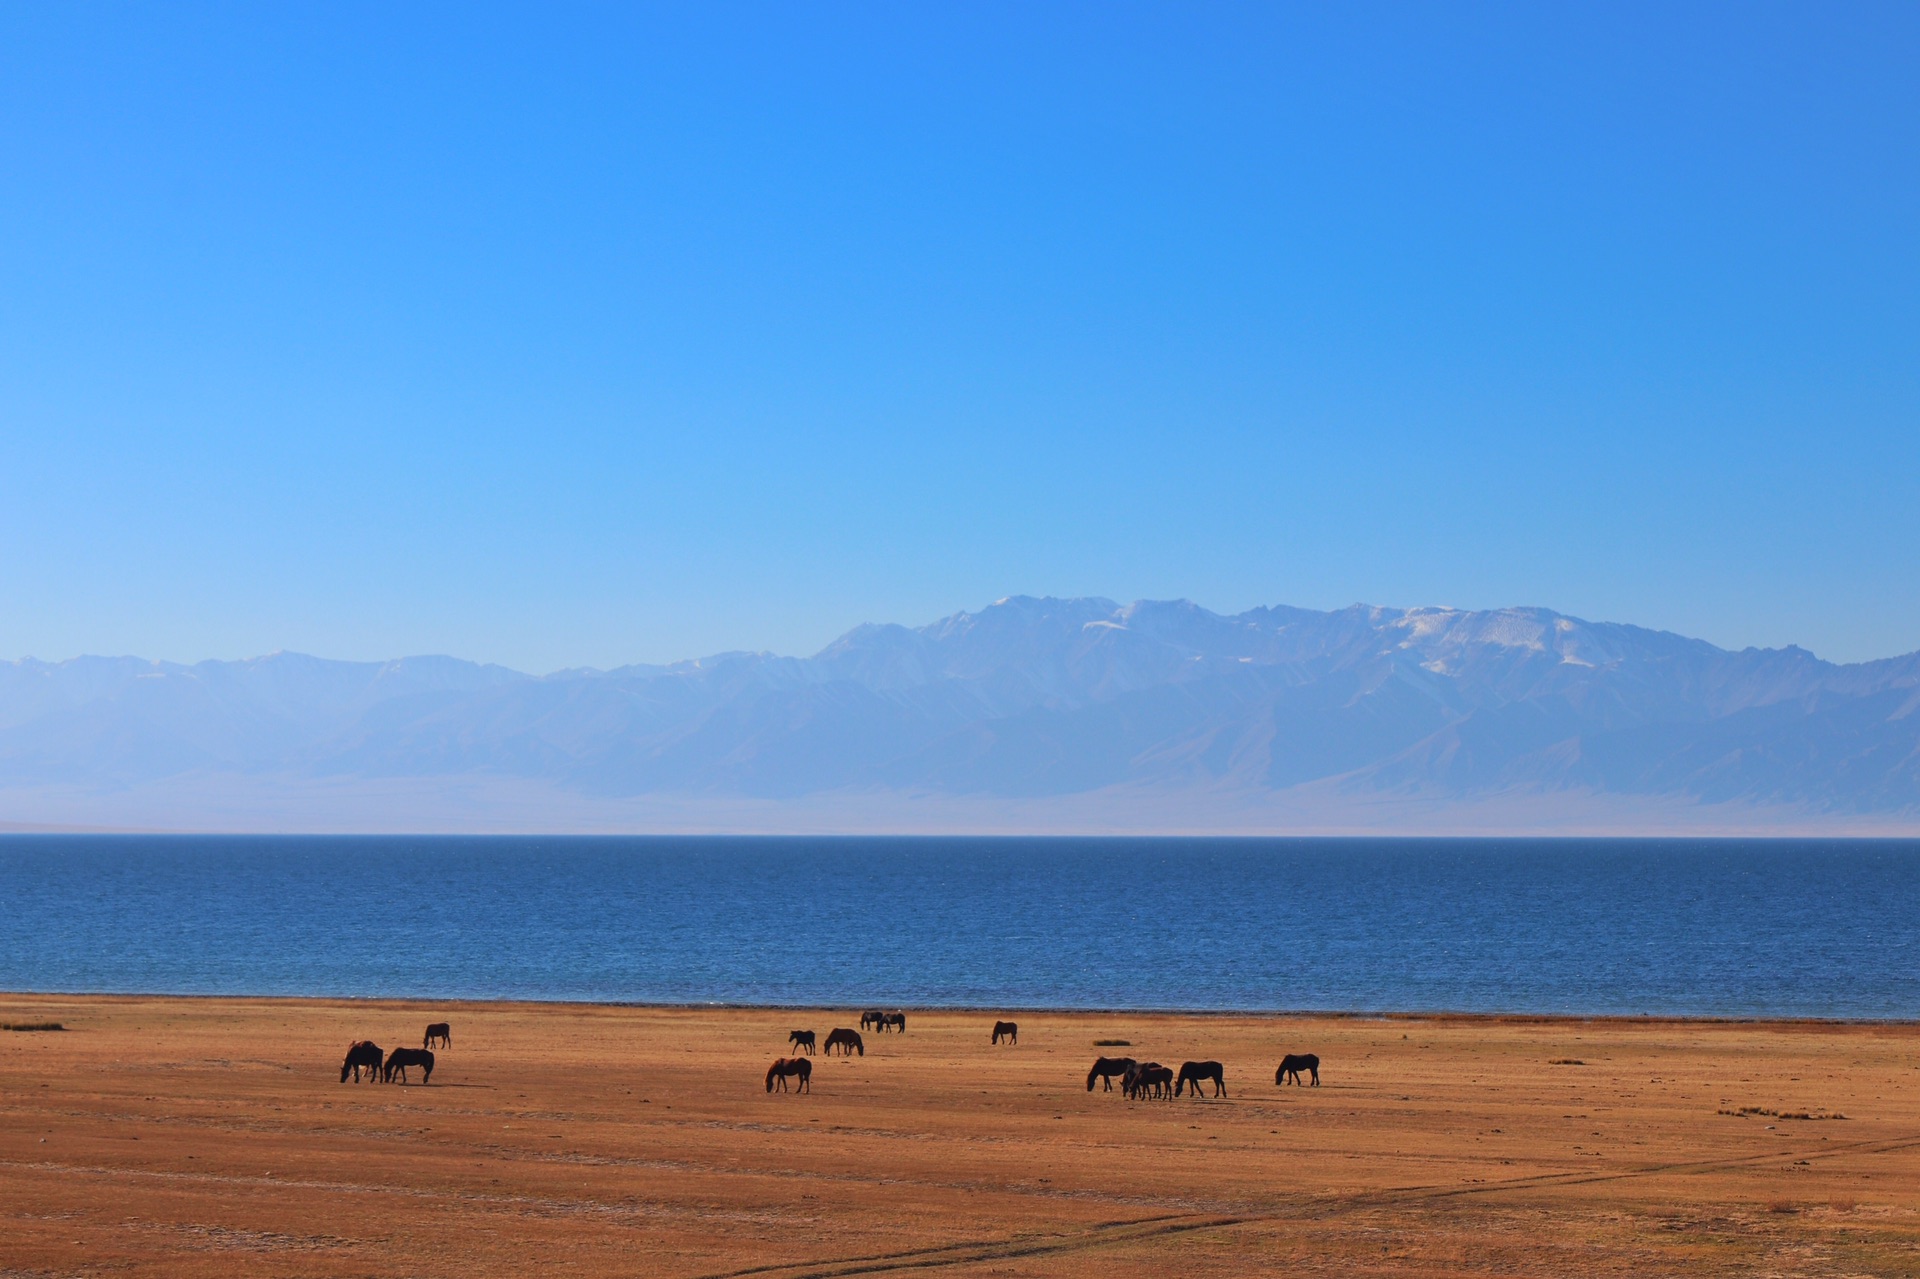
(1817,928)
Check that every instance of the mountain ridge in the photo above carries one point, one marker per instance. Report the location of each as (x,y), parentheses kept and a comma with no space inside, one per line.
(1029,701)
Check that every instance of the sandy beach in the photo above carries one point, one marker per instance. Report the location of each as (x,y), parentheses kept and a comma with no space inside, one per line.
(211,1137)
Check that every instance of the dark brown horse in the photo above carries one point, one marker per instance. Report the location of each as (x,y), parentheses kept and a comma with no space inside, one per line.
(1192,1072)
(893,1021)
(1011,1030)
(784,1066)
(1149,1079)
(871,1019)
(362,1053)
(801,1039)
(848,1041)
(441,1031)
(1106,1069)
(400,1058)
(1291,1065)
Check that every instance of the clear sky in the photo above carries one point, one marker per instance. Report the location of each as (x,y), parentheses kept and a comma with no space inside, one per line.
(562,335)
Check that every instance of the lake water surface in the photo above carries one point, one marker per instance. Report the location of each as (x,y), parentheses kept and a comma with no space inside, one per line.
(1736,927)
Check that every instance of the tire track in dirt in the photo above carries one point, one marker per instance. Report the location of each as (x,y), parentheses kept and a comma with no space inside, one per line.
(1105,1234)
(1113,1233)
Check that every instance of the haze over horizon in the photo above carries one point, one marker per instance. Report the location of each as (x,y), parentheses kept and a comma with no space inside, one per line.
(848,630)
(625,334)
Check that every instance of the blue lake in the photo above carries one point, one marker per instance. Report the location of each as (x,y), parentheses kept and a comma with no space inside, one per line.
(1733,927)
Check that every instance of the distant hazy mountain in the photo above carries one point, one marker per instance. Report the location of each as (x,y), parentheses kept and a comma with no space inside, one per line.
(1028,703)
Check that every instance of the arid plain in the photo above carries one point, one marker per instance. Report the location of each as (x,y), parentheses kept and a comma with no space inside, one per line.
(204,1137)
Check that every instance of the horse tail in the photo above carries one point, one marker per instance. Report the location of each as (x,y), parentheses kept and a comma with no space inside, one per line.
(771,1072)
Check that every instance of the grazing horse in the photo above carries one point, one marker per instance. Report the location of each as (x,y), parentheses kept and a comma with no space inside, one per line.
(785,1066)
(361,1053)
(849,1042)
(1192,1072)
(441,1031)
(871,1019)
(1105,1068)
(893,1021)
(400,1058)
(1293,1065)
(801,1039)
(1007,1028)
(1149,1079)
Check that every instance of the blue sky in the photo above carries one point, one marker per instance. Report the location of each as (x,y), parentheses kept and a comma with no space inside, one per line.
(568,335)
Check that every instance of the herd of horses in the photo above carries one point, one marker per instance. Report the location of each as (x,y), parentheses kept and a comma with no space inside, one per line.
(364,1054)
(1138,1079)
(1151,1079)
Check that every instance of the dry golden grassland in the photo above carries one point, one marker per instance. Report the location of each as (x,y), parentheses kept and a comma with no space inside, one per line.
(201,1137)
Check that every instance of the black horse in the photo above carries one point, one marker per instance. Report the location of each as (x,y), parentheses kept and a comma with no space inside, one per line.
(848,1041)
(441,1031)
(400,1058)
(893,1021)
(361,1053)
(1149,1079)
(784,1066)
(801,1039)
(871,1019)
(1192,1072)
(1011,1030)
(1293,1065)
(1106,1069)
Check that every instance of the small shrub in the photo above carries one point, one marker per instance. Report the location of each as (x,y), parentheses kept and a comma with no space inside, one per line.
(1781,1206)
(1842,1203)
(31,1025)
(1566,1061)
(1113,1043)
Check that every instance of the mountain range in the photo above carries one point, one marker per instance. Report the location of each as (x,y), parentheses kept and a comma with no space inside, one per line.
(1043,714)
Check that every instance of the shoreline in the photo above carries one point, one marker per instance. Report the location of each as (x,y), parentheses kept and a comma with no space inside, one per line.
(1447,1016)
